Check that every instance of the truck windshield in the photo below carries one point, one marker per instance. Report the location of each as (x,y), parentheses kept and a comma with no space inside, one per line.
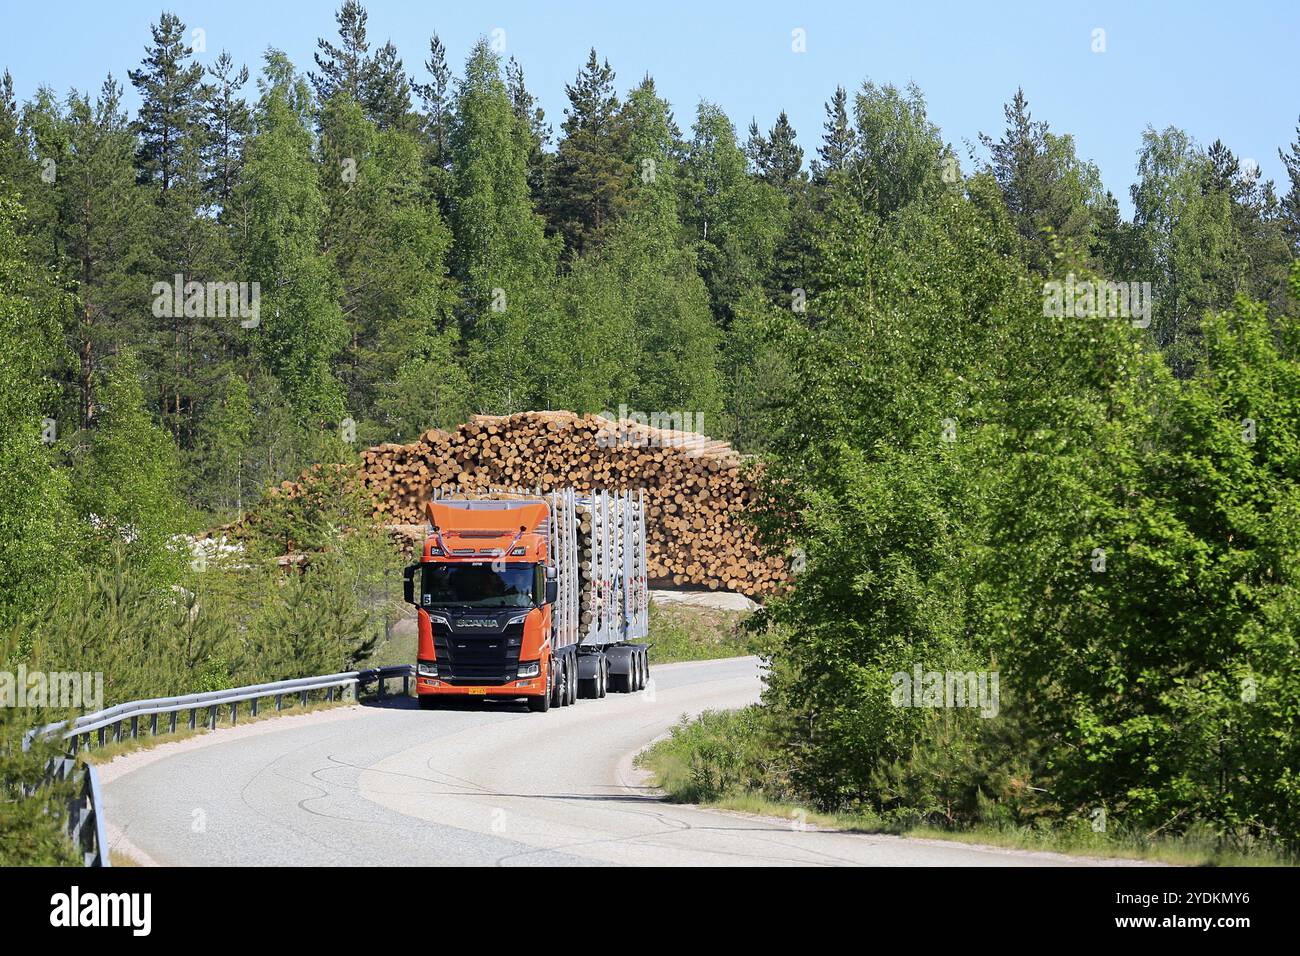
(478,585)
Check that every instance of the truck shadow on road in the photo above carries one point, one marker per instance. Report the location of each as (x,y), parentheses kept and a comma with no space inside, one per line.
(493,705)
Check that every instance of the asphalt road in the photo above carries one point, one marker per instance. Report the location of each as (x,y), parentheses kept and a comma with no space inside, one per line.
(489,785)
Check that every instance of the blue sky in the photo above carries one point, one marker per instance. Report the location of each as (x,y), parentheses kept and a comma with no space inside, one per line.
(1214,69)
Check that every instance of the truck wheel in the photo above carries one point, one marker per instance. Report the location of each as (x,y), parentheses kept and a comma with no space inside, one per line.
(602,679)
(571,665)
(643,675)
(542,702)
(559,682)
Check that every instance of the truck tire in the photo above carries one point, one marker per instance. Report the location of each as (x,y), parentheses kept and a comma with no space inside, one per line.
(542,702)
(602,679)
(643,673)
(559,682)
(571,663)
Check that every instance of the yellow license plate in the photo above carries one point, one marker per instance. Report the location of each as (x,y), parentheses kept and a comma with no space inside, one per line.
(478,690)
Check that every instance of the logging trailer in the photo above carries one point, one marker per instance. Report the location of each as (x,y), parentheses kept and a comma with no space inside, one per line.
(536,596)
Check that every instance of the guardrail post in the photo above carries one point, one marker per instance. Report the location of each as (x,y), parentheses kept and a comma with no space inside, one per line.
(135,727)
(379,679)
(153,725)
(171,723)
(406,684)
(253,707)
(212,717)
(234,713)
(102,734)
(193,717)
(117,732)
(303,698)
(279,701)
(329,695)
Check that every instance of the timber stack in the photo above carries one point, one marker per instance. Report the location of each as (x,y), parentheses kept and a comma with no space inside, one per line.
(695,487)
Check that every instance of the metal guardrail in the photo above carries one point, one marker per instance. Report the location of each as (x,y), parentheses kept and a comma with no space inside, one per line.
(86,812)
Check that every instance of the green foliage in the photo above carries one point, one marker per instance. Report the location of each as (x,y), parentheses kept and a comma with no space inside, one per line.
(301,325)
(126,485)
(36,521)
(732,220)
(590,182)
(1052,197)
(948,459)
(501,254)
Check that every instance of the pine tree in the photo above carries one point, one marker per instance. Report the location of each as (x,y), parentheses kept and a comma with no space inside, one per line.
(377,82)
(387,92)
(186,239)
(591,178)
(344,68)
(437,101)
(436,97)
(171,109)
(102,218)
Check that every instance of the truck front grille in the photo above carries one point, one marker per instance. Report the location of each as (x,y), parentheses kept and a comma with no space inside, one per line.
(482,659)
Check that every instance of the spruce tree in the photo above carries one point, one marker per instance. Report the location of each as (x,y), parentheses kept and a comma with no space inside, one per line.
(228,123)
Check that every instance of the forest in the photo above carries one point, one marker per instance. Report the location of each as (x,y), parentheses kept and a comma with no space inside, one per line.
(1004,427)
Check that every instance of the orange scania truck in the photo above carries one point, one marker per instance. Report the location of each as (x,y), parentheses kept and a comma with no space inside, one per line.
(536,596)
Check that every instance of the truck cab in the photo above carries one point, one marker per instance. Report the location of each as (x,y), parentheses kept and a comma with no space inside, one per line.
(484,601)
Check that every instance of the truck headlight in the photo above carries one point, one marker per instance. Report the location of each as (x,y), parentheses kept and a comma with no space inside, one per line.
(530,670)
(427,669)
(517,619)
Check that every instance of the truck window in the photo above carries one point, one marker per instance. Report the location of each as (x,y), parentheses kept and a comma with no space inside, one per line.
(478,585)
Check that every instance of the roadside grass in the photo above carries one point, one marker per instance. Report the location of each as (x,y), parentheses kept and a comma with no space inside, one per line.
(685,633)
(717,759)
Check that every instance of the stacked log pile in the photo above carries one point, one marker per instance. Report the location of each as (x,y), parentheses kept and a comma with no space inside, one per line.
(695,487)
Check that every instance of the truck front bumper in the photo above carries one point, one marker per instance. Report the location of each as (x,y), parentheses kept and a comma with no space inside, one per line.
(528,687)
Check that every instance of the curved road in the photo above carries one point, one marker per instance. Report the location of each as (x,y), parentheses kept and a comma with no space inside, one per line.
(489,785)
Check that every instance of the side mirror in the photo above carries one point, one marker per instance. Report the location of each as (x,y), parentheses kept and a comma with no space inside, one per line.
(408,583)
(552,591)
